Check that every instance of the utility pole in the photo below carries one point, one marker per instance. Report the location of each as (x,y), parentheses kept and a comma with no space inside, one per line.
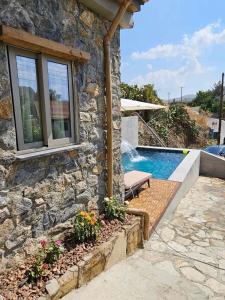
(181,93)
(168,98)
(220,111)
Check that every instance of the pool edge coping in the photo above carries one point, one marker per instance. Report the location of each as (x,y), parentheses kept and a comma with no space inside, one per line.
(182,170)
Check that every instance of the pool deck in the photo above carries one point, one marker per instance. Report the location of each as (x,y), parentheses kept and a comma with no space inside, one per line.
(164,195)
(185,259)
(155,200)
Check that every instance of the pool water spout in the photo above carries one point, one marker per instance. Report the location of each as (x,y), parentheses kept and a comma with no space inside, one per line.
(131,152)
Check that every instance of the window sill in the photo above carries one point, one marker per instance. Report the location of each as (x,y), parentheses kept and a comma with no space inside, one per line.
(47,152)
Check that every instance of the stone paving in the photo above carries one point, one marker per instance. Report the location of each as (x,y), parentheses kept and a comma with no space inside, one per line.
(187,261)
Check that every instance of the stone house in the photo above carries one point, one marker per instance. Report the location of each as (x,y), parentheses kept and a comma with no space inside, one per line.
(53,158)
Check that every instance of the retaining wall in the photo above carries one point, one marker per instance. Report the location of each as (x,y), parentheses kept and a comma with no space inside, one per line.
(212,165)
(121,245)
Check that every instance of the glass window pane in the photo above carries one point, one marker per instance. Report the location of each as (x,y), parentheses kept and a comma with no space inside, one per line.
(29,99)
(59,100)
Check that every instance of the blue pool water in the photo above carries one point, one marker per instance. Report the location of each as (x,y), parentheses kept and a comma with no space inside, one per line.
(160,164)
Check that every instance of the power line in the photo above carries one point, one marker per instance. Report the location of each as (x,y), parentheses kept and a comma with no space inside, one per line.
(168,97)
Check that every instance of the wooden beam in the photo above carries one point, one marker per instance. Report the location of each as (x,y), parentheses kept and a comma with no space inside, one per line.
(25,40)
(133,7)
(108,91)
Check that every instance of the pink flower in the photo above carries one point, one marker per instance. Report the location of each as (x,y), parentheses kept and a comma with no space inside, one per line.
(45,266)
(58,243)
(43,243)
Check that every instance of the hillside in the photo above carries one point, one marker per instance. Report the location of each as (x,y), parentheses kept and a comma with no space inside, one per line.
(186,99)
(178,126)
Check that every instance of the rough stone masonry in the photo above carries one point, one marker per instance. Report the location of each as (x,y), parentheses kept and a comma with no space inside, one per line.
(39,193)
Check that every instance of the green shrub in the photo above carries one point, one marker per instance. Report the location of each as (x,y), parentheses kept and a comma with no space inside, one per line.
(53,251)
(114,210)
(37,270)
(86,227)
(176,118)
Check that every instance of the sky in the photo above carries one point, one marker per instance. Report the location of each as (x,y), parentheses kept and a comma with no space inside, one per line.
(175,43)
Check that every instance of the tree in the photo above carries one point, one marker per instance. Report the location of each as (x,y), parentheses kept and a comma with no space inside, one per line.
(208,100)
(144,93)
(150,94)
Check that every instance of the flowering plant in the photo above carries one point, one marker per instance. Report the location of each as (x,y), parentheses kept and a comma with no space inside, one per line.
(37,270)
(53,251)
(86,226)
(114,210)
(47,254)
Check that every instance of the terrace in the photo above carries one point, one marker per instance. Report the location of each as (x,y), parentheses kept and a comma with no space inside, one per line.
(184,258)
(174,171)
(60,157)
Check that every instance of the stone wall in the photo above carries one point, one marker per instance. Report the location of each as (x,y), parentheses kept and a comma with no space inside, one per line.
(36,194)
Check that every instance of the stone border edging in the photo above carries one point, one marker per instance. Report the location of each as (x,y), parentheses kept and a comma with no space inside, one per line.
(144,219)
(117,248)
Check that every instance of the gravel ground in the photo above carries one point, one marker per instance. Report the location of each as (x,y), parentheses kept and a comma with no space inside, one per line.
(10,281)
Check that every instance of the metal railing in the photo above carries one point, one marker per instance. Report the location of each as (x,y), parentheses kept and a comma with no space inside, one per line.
(151,130)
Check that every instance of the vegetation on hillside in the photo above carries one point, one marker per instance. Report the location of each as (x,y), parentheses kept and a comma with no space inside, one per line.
(174,121)
(144,93)
(209,100)
(174,124)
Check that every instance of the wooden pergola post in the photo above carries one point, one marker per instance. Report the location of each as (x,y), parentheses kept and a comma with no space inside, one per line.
(108,87)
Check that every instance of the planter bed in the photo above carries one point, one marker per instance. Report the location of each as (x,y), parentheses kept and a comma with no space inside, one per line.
(78,264)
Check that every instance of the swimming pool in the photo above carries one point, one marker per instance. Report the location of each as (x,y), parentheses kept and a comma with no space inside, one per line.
(160,164)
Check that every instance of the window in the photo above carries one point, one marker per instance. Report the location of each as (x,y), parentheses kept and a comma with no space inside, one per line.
(43,100)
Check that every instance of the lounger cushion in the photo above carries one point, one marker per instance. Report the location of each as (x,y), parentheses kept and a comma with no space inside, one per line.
(133,178)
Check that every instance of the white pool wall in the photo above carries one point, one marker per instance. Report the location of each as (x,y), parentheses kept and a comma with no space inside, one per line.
(187,174)
(212,165)
(189,167)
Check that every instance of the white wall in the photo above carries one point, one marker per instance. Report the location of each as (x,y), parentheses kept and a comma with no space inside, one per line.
(216,127)
(187,174)
(212,165)
(129,130)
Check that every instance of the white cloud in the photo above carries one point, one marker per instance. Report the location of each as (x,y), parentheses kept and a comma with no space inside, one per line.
(163,79)
(150,67)
(190,46)
(188,52)
(160,51)
(125,64)
(170,80)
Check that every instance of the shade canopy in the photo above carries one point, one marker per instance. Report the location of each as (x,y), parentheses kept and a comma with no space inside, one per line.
(129,105)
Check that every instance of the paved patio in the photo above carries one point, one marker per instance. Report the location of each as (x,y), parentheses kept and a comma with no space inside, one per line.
(171,266)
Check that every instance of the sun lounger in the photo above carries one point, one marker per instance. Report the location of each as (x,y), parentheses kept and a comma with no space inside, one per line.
(133,181)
